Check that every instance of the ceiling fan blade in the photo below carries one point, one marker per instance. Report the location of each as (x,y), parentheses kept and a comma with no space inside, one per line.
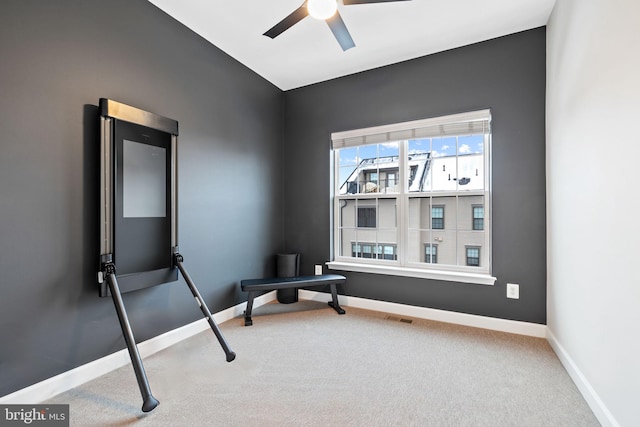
(288,22)
(339,30)
(349,2)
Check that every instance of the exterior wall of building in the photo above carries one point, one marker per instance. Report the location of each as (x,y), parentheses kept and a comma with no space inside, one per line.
(451,242)
(386,219)
(458,232)
(431,183)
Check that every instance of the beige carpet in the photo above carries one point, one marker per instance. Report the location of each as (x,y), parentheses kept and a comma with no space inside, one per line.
(303,365)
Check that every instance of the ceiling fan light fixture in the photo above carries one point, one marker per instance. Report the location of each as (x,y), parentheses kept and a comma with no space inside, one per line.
(322,9)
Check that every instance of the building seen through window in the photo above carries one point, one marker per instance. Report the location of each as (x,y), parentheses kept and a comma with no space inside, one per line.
(415,201)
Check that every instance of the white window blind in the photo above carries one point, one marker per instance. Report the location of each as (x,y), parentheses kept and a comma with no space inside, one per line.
(472,123)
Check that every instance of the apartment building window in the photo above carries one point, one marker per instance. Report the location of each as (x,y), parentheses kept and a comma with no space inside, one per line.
(410,185)
(478,217)
(389,252)
(366,217)
(430,254)
(391,179)
(372,250)
(437,217)
(372,177)
(473,256)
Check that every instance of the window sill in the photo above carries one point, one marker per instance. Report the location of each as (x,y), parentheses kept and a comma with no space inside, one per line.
(451,276)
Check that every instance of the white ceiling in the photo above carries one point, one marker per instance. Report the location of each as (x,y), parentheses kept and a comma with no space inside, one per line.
(384,33)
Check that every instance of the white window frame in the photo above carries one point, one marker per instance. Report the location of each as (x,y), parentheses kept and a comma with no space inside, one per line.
(403,132)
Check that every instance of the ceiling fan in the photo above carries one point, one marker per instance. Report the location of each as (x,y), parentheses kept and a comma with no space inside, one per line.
(326,10)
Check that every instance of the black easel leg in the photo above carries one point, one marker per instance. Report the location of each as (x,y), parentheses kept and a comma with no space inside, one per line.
(149,402)
(205,310)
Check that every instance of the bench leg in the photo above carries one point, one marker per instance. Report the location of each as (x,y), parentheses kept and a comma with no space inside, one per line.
(334,296)
(247,312)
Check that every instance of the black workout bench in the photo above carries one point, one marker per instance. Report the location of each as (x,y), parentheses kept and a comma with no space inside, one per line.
(253,286)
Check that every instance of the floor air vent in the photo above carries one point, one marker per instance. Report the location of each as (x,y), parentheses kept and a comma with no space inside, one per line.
(399,319)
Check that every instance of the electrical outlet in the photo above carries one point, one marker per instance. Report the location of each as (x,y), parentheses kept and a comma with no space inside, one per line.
(513,291)
(318,269)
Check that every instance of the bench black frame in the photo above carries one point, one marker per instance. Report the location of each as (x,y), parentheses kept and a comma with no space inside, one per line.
(255,286)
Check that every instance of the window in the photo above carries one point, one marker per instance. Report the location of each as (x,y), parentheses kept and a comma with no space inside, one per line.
(437,217)
(391,179)
(478,217)
(473,256)
(430,254)
(366,217)
(371,250)
(389,252)
(399,188)
(371,177)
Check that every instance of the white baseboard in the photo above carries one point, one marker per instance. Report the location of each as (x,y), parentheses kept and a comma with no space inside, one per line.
(604,416)
(48,388)
(53,386)
(503,325)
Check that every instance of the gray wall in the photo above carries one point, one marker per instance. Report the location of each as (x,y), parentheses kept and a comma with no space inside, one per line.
(57,59)
(506,75)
